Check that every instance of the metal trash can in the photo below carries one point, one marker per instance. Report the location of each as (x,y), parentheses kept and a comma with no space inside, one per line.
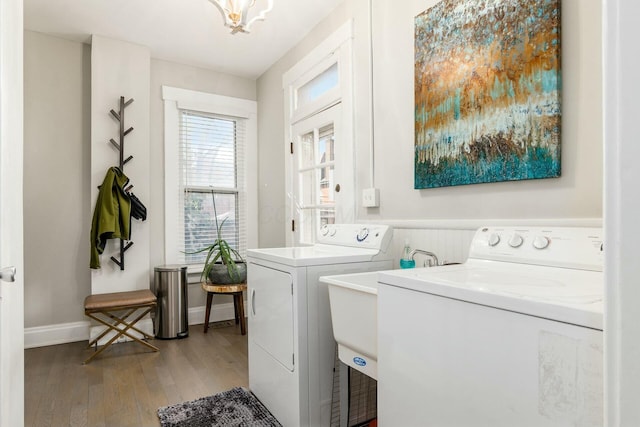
(170,286)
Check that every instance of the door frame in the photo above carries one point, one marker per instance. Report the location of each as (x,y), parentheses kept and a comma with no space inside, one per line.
(11,213)
(336,48)
(622,210)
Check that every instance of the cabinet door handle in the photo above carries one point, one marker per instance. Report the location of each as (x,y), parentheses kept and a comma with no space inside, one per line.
(253,301)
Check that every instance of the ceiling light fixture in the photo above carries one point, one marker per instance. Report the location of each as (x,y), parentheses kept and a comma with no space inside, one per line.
(237,14)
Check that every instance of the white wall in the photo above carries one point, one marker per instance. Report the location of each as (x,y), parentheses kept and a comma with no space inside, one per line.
(58,204)
(57,95)
(121,69)
(576,195)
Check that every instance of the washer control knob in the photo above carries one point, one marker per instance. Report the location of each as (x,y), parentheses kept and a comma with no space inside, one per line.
(494,239)
(324,230)
(516,241)
(332,231)
(541,242)
(362,234)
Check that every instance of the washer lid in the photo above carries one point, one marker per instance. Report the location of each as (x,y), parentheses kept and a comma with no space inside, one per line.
(562,294)
(300,256)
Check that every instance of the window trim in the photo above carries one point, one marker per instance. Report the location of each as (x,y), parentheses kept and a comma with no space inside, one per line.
(176,99)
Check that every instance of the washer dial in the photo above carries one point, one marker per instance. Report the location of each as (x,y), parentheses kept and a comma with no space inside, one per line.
(541,242)
(494,239)
(362,234)
(516,241)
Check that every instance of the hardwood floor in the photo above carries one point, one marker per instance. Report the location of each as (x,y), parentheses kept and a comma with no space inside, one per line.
(126,384)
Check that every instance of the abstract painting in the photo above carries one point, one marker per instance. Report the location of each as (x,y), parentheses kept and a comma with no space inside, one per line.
(487,92)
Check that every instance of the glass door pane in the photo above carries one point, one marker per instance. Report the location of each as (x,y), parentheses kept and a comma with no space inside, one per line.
(326,185)
(308,185)
(306,148)
(307,226)
(326,140)
(327,216)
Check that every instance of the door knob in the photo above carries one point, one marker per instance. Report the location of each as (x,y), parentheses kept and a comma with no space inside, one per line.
(337,188)
(8,274)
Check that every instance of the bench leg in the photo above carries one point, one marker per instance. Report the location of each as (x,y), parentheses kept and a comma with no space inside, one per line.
(106,331)
(119,332)
(120,321)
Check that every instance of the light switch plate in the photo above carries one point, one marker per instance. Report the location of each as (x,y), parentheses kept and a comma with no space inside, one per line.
(370,198)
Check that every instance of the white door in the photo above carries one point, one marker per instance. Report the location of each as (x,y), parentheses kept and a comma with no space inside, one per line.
(323,178)
(11,293)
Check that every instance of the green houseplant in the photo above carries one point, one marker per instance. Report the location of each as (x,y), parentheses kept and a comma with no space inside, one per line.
(223,264)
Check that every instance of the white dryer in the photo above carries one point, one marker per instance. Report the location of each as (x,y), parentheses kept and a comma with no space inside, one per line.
(291,344)
(512,337)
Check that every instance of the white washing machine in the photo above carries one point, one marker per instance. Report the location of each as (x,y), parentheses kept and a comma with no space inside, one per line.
(512,337)
(291,345)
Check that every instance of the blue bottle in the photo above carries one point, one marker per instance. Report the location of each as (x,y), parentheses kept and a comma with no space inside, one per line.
(406,261)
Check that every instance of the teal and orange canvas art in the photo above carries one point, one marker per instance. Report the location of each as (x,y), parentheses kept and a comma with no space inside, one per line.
(487,92)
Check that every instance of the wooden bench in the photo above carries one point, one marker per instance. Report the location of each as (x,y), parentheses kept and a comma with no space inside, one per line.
(102,308)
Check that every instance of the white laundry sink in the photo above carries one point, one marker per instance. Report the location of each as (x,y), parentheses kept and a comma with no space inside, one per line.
(354,314)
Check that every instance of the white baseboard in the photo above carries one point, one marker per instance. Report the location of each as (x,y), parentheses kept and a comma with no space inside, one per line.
(62,333)
(40,336)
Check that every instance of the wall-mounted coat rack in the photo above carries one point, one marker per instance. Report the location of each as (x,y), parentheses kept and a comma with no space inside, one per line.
(119,116)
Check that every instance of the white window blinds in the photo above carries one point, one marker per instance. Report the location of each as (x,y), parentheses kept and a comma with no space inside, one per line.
(211,159)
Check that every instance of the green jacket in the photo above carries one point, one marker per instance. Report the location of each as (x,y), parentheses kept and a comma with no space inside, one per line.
(112,214)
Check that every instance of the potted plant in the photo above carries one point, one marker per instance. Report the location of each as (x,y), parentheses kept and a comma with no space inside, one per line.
(223,264)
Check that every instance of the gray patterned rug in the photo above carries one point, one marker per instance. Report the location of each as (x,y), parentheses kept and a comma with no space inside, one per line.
(237,407)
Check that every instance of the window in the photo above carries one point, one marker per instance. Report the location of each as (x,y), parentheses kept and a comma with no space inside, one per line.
(210,146)
(318,87)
